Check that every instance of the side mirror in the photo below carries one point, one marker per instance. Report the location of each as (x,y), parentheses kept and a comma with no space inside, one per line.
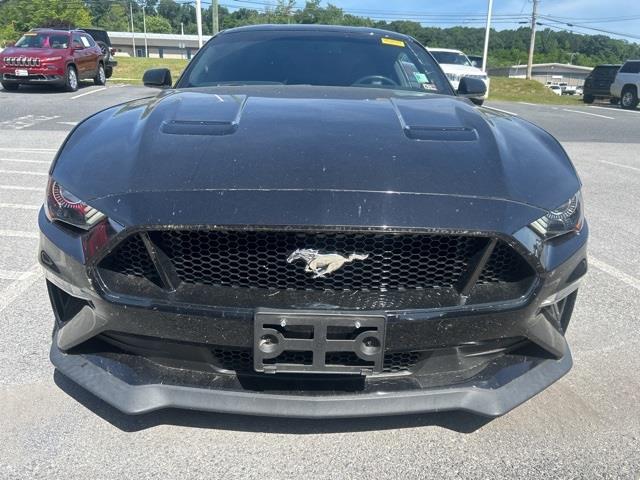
(157,78)
(78,47)
(471,87)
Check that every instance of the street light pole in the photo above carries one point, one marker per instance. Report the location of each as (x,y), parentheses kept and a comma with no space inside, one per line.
(486,37)
(199,21)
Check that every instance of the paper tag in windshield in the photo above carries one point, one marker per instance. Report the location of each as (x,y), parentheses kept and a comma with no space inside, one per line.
(391,41)
(420,77)
(429,86)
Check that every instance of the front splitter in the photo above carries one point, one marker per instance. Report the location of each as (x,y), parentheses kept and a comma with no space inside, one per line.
(139,399)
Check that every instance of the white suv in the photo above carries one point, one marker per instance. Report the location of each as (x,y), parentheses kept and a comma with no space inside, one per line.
(456,65)
(627,84)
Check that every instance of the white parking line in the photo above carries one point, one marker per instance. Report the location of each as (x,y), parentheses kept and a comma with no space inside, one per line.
(26,121)
(527,103)
(588,113)
(18,234)
(501,111)
(19,206)
(17,187)
(73,124)
(616,109)
(21,160)
(27,149)
(12,274)
(620,165)
(89,93)
(614,272)
(19,286)
(25,172)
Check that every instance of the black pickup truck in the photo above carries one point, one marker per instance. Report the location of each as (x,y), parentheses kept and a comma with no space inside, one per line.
(104,42)
(598,83)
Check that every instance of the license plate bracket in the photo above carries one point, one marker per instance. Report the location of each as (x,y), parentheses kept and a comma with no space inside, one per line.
(318,342)
(20,72)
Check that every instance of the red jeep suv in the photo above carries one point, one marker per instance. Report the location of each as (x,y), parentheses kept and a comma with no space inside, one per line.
(58,57)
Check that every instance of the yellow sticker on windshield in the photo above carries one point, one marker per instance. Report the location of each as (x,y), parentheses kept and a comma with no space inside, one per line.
(30,34)
(391,41)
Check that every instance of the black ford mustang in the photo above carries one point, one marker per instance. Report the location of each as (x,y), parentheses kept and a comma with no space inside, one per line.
(312,223)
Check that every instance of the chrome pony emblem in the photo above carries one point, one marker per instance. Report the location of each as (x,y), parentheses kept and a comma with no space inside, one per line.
(321,264)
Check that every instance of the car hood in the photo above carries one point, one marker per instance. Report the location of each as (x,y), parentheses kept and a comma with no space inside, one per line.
(32,52)
(460,69)
(311,139)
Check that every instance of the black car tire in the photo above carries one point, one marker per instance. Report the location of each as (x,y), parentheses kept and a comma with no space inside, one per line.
(101,76)
(71,79)
(108,71)
(629,98)
(10,87)
(614,100)
(106,53)
(588,99)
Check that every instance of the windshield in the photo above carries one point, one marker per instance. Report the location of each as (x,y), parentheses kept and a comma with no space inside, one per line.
(43,40)
(314,58)
(451,58)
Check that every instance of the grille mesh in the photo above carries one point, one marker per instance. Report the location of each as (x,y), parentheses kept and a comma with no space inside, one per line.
(258,260)
(242,359)
(132,258)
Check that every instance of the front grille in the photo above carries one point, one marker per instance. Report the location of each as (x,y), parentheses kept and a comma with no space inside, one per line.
(258,259)
(22,61)
(241,360)
(246,266)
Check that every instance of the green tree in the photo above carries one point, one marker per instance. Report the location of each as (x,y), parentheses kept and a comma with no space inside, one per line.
(114,19)
(26,14)
(157,24)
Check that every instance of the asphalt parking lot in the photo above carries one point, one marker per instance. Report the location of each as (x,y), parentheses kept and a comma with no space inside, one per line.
(586,425)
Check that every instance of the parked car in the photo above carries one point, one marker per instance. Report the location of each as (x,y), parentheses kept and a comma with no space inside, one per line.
(557,89)
(312,223)
(456,65)
(597,85)
(567,89)
(108,52)
(52,57)
(627,84)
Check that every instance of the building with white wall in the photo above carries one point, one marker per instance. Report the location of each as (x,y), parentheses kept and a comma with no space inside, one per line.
(160,45)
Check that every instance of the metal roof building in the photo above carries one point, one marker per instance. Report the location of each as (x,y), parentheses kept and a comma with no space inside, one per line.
(546,72)
(159,45)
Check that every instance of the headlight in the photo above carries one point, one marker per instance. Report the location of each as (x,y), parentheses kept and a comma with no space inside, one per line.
(64,206)
(564,219)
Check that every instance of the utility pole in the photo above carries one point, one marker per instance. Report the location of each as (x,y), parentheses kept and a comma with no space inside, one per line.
(199,21)
(532,43)
(133,35)
(144,26)
(215,28)
(486,37)
(182,44)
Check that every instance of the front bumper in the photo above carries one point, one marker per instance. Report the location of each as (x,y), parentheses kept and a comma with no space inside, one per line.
(36,75)
(119,349)
(480,397)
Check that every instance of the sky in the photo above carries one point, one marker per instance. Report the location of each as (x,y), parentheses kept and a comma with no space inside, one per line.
(621,16)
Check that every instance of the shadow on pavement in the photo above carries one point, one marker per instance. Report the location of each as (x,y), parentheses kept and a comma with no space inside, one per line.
(40,89)
(460,422)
